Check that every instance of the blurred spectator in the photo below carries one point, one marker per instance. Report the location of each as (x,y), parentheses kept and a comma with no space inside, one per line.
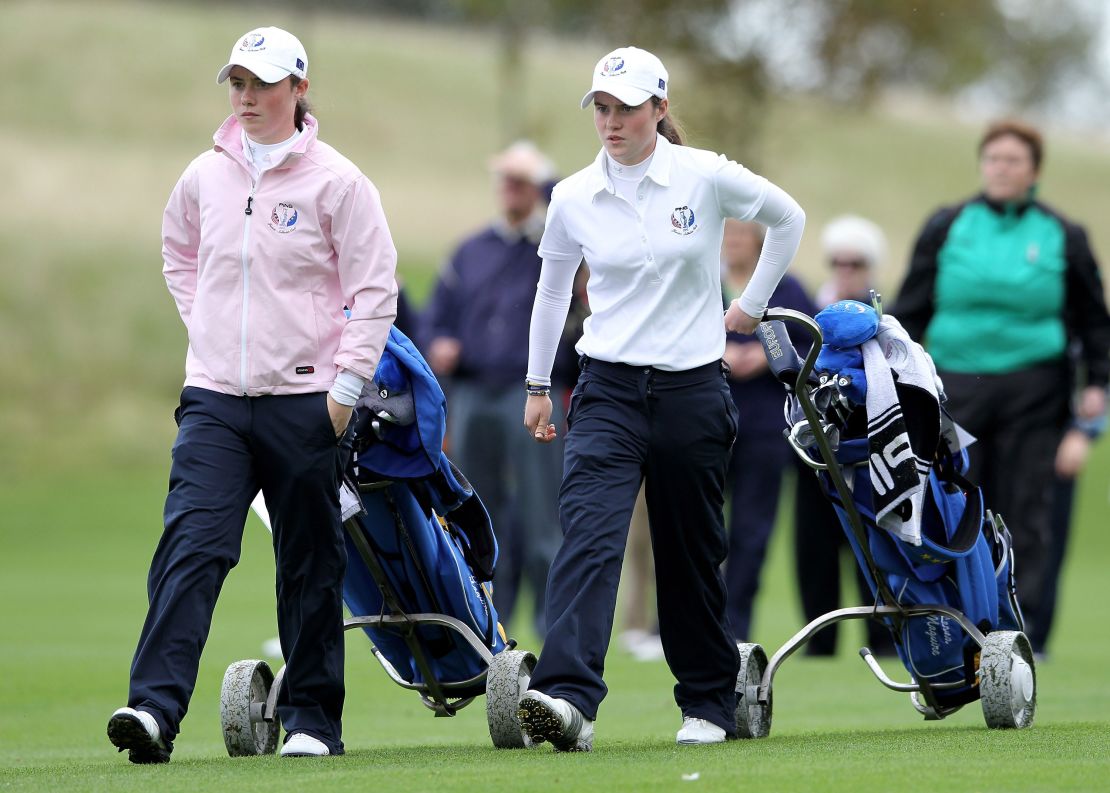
(997,287)
(475,325)
(754,489)
(854,248)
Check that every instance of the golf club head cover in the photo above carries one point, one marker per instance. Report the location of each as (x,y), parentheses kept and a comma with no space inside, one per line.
(847,323)
(845,365)
(783,359)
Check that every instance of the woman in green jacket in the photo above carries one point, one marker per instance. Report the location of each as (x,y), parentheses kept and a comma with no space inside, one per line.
(998,289)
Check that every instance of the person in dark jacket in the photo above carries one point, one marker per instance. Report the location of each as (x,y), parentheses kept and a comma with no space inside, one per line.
(759,396)
(998,288)
(474,324)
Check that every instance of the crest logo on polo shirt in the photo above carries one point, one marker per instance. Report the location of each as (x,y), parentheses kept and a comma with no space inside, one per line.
(613,67)
(283,218)
(683,221)
(252,43)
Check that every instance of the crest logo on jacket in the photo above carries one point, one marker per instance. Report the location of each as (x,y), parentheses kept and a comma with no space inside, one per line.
(683,221)
(283,219)
(252,43)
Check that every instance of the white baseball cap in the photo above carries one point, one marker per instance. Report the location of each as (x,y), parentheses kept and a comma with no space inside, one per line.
(630,74)
(271,54)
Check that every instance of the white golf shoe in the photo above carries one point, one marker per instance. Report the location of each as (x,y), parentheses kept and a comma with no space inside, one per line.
(138,733)
(546,718)
(699,731)
(300,744)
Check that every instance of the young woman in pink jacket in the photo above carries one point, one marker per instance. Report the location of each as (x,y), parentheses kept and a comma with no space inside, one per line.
(266,237)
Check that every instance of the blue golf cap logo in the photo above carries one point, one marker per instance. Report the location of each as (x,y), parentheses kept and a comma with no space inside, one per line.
(613,66)
(252,42)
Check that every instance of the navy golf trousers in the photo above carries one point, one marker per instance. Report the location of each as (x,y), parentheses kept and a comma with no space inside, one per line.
(227,449)
(673,429)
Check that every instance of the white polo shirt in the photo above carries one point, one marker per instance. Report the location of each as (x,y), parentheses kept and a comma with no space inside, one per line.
(655,278)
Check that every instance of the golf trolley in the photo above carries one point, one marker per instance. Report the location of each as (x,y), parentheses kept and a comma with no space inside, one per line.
(420,554)
(971,561)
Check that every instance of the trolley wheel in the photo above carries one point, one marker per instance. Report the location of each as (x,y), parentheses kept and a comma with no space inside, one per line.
(1007,680)
(242,697)
(753,718)
(506,681)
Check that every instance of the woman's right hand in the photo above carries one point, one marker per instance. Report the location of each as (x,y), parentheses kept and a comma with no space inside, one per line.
(537,418)
(739,321)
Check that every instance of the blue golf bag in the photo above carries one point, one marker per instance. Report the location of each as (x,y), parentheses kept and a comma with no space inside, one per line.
(944,586)
(964,561)
(421,548)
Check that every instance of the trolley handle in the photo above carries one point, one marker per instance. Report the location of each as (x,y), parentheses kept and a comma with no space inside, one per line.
(785,363)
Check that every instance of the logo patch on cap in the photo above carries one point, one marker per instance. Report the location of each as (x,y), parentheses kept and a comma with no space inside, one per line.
(283,218)
(613,67)
(300,65)
(662,84)
(253,42)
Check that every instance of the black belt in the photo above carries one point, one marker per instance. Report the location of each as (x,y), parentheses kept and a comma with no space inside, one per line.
(625,370)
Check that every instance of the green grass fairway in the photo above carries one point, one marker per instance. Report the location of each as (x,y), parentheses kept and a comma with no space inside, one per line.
(107,101)
(72,600)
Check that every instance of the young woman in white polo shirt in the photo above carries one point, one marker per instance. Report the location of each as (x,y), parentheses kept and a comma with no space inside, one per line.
(652,402)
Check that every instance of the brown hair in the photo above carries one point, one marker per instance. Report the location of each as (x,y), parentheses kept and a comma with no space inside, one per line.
(669,127)
(1026,133)
(303,105)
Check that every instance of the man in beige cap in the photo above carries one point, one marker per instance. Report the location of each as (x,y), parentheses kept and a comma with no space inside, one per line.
(473,327)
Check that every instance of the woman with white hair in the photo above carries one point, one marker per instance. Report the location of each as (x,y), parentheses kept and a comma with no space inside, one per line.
(854,248)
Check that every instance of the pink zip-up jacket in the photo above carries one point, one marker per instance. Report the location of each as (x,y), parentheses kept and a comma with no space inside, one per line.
(262,292)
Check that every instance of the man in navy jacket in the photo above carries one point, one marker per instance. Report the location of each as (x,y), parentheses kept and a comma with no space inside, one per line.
(475,327)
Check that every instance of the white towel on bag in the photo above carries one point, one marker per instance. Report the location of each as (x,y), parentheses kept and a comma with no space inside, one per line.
(900,447)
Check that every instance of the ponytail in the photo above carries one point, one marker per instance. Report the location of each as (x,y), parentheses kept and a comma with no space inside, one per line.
(669,127)
(303,105)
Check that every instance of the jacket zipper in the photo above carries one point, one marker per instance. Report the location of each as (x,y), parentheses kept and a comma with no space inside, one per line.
(246,287)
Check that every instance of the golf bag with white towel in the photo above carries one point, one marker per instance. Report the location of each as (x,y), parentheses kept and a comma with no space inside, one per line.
(864,410)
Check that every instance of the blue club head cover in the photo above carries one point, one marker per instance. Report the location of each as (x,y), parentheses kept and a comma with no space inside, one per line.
(847,323)
(845,364)
(856,388)
(834,359)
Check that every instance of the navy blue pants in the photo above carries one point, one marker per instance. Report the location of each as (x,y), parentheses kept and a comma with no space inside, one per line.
(227,449)
(673,429)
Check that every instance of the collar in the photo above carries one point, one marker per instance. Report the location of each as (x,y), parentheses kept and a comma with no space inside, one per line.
(1016,208)
(229,139)
(659,171)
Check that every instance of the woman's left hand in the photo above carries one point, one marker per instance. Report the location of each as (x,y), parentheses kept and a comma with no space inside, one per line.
(739,321)
(340,415)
